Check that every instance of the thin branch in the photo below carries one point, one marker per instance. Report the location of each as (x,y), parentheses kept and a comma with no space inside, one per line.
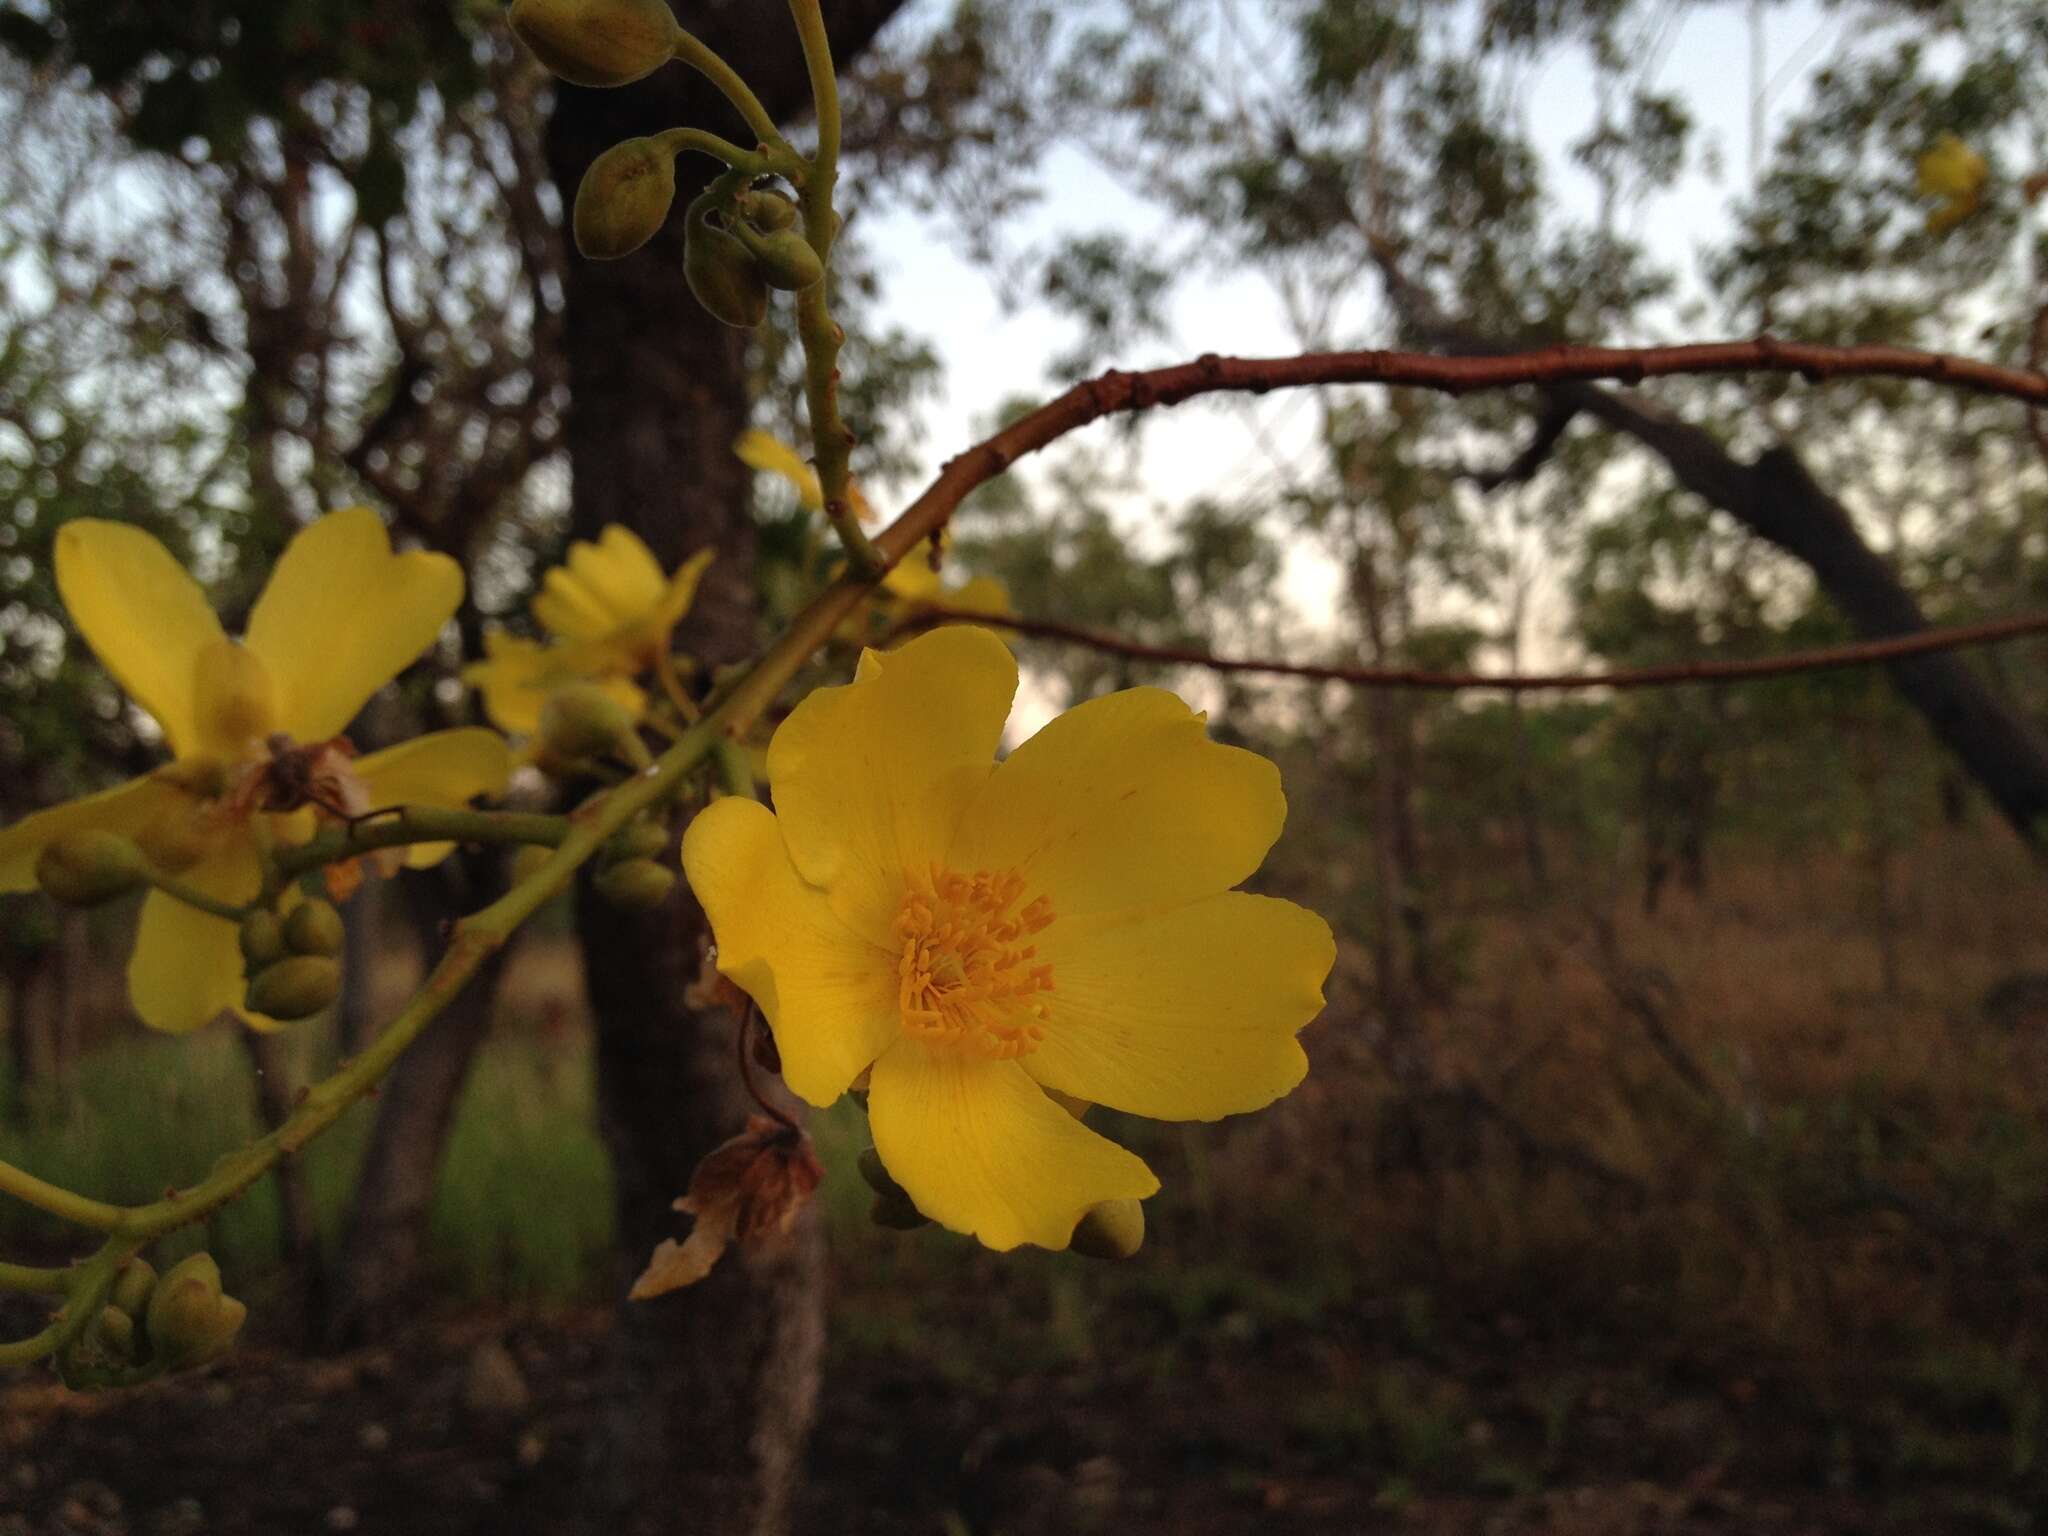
(1116,391)
(1826,658)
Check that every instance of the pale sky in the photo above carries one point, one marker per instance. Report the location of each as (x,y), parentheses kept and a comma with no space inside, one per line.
(1704,55)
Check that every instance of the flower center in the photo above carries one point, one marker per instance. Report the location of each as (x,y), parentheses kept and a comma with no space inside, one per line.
(967,976)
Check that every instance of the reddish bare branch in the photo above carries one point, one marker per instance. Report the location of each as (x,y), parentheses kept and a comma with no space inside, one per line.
(1116,391)
(1827,658)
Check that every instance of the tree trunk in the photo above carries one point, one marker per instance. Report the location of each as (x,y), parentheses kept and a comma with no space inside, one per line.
(712,1395)
(377,1268)
(1779,501)
(297,1240)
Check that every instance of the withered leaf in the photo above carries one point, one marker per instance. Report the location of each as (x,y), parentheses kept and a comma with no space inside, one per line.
(747,1190)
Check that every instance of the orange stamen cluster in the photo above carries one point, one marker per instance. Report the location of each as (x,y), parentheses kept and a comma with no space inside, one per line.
(967,977)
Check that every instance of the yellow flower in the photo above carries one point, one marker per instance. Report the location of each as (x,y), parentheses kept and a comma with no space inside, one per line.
(340,616)
(1954,173)
(765,451)
(610,612)
(977,936)
(914,585)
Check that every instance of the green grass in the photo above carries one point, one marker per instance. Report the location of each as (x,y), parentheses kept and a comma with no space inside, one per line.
(522,1208)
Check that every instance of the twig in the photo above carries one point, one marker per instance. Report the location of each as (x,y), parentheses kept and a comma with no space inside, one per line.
(1826,658)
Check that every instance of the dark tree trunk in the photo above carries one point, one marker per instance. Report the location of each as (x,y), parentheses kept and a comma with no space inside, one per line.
(713,1394)
(297,1239)
(1779,501)
(377,1268)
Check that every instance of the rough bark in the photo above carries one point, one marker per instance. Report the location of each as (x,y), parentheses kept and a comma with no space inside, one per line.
(713,1393)
(376,1271)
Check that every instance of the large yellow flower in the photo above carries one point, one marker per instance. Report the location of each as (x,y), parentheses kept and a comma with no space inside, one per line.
(610,611)
(339,618)
(972,934)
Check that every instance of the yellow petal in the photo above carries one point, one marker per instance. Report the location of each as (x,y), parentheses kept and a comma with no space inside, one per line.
(1124,801)
(443,768)
(912,578)
(342,615)
(870,779)
(513,677)
(125,809)
(143,616)
(829,995)
(764,451)
(234,701)
(601,587)
(187,965)
(979,1148)
(1187,1014)
(682,589)
(982,595)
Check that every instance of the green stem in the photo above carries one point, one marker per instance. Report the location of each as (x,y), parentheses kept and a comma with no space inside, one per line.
(79,1210)
(831,442)
(26,1277)
(694,52)
(89,1283)
(679,141)
(418,824)
(171,886)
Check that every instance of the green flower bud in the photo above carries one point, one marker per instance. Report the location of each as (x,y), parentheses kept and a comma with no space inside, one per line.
(1114,1229)
(132,1287)
(785,259)
(893,1207)
(636,885)
(644,837)
(597,42)
(768,211)
(112,1333)
(313,927)
(897,1212)
(262,940)
(86,868)
(723,275)
(624,199)
(296,987)
(189,1320)
(580,721)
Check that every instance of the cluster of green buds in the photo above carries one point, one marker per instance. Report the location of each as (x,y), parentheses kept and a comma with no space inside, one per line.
(629,872)
(149,1326)
(741,239)
(293,962)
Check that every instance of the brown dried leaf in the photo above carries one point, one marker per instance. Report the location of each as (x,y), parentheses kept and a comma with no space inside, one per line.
(746,1190)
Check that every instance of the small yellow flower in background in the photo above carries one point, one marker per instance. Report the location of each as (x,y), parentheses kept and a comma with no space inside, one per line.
(610,611)
(340,617)
(767,452)
(976,936)
(913,586)
(1954,173)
